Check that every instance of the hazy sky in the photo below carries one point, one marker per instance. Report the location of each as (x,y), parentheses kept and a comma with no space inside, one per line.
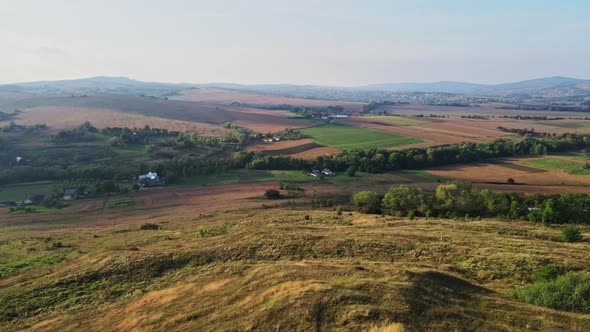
(335,42)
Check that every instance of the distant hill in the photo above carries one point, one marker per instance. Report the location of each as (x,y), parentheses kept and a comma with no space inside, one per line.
(98,85)
(535,87)
(541,87)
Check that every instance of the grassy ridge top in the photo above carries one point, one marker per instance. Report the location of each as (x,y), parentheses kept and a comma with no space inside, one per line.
(285,268)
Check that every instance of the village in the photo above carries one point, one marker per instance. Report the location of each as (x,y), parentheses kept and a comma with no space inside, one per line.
(149,180)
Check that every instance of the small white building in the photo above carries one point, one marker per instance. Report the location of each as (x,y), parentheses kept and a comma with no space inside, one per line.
(150,176)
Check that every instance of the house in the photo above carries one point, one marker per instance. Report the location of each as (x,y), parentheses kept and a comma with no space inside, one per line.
(315,172)
(157,182)
(149,175)
(328,172)
(151,180)
(35,199)
(70,194)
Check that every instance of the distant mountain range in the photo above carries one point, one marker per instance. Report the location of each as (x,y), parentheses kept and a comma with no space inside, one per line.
(542,87)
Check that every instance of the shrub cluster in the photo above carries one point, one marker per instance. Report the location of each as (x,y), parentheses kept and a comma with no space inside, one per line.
(569,292)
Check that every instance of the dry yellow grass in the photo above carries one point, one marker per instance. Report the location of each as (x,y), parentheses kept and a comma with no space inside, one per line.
(272,268)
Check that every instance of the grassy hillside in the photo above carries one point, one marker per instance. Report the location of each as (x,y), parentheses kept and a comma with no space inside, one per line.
(289,267)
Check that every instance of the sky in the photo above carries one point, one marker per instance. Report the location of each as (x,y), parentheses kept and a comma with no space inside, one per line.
(324,42)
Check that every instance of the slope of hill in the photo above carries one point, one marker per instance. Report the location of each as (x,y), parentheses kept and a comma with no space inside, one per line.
(267,269)
(98,85)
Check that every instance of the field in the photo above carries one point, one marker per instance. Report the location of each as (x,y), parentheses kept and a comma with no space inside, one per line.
(349,137)
(205,115)
(548,174)
(22,191)
(315,152)
(209,252)
(226,97)
(490,109)
(554,164)
(434,130)
(579,124)
(229,258)
(397,119)
(71,117)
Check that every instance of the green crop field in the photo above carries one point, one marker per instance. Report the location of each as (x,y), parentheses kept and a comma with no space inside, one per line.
(558,164)
(398,119)
(568,125)
(349,137)
(21,191)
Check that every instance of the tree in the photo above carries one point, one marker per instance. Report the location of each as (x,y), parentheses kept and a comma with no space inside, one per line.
(510,181)
(403,199)
(548,213)
(116,141)
(351,171)
(571,234)
(272,194)
(367,201)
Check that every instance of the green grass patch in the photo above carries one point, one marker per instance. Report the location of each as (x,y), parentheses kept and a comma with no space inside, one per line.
(581,156)
(398,119)
(428,175)
(24,254)
(119,204)
(21,191)
(349,137)
(568,125)
(29,263)
(33,209)
(558,165)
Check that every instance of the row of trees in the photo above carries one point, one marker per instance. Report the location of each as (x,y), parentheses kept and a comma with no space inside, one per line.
(460,199)
(376,161)
(85,133)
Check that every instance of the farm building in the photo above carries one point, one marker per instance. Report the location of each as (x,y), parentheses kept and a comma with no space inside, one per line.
(70,194)
(315,172)
(151,180)
(328,172)
(149,175)
(33,200)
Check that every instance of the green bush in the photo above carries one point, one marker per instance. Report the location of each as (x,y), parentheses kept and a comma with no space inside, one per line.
(367,201)
(351,171)
(570,292)
(571,234)
(272,194)
(547,272)
(411,215)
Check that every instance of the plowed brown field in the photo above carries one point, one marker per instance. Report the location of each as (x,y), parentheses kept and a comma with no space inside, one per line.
(496,174)
(69,117)
(316,152)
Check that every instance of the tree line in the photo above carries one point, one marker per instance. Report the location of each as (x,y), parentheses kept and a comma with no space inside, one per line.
(462,200)
(380,160)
